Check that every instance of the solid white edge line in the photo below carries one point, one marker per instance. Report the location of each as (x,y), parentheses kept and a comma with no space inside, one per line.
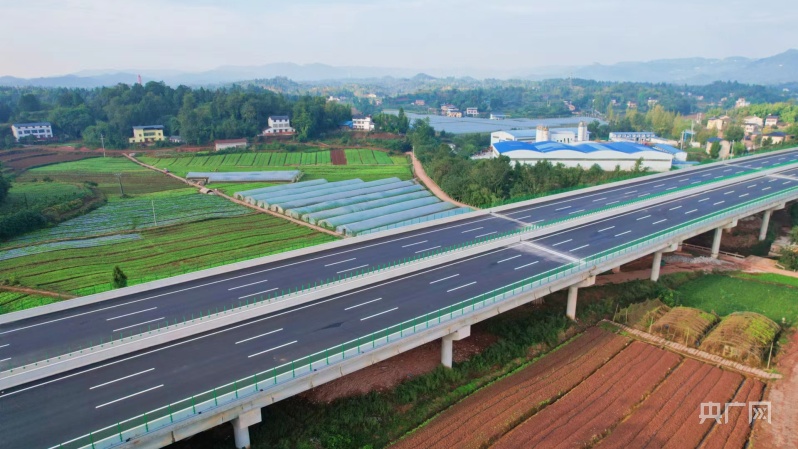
(258,336)
(129,396)
(258,293)
(139,324)
(121,378)
(272,349)
(377,314)
(447,277)
(362,304)
(462,286)
(128,314)
(340,261)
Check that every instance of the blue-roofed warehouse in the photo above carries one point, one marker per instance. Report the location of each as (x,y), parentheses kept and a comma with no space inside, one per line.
(607,155)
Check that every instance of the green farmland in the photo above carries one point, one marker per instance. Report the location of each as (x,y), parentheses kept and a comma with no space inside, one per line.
(377,165)
(161,252)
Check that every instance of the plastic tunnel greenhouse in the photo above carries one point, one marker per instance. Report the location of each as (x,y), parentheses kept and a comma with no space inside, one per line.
(355,228)
(264,200)
(313,218)
(354,217)
(247,176)
(331,194)
(424,219)
(274,189)
(306,211)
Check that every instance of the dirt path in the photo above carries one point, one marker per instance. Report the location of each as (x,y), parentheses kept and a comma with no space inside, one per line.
(33,291)
(782,432)
(427,181)
(217,192)
(760,264)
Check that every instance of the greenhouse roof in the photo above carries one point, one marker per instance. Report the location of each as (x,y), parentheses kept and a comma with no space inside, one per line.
(247,176)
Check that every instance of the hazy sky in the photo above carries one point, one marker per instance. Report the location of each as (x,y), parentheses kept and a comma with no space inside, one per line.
(53,37)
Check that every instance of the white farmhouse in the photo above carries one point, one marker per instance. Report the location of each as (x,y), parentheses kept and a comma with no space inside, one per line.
(278,124)
(39,130)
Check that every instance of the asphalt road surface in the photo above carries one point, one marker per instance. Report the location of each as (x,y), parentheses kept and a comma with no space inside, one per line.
(47,412)
(38,338)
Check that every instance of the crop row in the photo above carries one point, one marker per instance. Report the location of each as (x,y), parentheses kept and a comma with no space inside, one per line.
(137,213)
(163,252)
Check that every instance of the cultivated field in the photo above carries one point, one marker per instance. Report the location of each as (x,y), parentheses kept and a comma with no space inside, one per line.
(160,252)
(17,161)
(325,166)
(13,301)
(108,174)
(600,390)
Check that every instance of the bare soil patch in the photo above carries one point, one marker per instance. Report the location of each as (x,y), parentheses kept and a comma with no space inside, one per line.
(782,431)
(338,157)
(21,160)
(390,373)
(487,414)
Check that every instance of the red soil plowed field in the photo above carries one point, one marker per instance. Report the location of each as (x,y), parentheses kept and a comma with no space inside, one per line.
(338,157)
(669,418)
(487,414)
(734,433)
(596,404)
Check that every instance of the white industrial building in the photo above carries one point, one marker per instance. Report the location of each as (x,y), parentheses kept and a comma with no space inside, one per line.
(607,155)
(39,130)
(542,134)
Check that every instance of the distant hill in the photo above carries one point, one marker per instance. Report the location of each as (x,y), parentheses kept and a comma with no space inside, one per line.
(778,69)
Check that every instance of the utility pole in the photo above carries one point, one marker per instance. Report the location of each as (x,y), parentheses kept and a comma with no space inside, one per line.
(119,178)
(153,213)
(102,141)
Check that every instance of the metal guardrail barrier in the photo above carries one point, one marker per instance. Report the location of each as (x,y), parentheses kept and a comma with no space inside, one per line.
(292,292)
(225,394)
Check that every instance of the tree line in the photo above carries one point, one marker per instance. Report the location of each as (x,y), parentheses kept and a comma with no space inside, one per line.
(198,115)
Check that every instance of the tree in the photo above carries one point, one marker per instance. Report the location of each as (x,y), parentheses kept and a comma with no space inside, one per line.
(714,150)
(734,132)
(404,122)
(29,103)
(119,279)
(5,186)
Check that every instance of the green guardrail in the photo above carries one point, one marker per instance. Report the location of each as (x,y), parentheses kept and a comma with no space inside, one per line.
(249,386)
(291,292)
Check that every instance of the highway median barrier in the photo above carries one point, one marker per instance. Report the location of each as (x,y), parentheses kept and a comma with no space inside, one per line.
(279,382)
(207,320)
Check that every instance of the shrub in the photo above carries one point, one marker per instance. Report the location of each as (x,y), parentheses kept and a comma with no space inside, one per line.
(119,279)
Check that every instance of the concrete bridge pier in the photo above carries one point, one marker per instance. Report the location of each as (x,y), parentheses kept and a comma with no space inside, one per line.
(718,235)
(241,427)
(763,232)
(658,260)
(570,308)
(446,344)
